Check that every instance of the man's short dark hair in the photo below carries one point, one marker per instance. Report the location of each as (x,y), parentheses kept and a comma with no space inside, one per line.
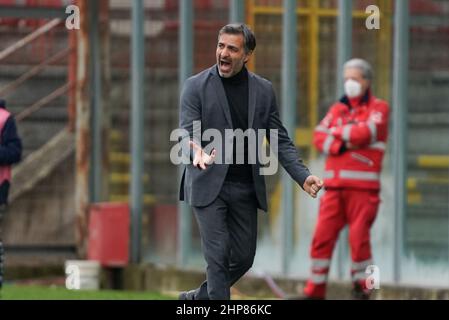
(249,40)
(2,103)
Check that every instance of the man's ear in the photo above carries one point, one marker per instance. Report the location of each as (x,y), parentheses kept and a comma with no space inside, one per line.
(248,56)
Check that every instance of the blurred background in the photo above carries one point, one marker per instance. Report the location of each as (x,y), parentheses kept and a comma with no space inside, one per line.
(95,107)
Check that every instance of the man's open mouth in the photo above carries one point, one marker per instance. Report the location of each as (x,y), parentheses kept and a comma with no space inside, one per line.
(225,65)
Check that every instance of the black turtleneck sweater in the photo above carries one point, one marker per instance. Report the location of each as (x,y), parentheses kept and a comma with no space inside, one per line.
(237,93)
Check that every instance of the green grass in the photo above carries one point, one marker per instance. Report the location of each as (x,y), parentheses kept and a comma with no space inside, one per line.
(17,292)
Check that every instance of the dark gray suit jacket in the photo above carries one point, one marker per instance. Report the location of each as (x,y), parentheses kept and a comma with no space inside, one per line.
(203,99)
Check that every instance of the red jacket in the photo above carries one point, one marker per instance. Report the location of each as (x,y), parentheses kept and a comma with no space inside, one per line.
(354,139)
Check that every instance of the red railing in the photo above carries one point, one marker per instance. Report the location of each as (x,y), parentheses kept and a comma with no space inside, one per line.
(65,53)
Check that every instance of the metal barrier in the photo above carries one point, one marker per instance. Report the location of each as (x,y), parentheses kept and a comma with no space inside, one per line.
(263,16)
(41,68)
(13,86)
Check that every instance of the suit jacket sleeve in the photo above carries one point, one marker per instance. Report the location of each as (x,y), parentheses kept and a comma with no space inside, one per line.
(287,153)
(190,113)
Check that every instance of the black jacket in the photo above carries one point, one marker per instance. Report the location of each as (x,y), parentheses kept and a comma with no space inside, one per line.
(10,152)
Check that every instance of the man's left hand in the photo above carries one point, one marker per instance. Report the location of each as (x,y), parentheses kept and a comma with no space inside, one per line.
(313,185)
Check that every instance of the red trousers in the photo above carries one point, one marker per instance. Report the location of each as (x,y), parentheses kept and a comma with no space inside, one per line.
(340,207)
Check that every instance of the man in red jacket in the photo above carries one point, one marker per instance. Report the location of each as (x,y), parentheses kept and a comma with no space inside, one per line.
(353,136)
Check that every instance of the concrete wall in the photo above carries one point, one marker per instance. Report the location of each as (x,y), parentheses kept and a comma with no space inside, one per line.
(39,227)
(151,278)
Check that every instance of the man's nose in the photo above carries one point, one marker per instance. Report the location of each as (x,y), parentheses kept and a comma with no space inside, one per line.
(224,53)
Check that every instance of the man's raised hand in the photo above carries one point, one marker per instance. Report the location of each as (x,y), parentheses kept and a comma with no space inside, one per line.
(201,159)
(313,185)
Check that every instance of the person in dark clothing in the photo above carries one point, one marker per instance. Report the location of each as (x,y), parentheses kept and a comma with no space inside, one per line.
(10,153)
(225,196)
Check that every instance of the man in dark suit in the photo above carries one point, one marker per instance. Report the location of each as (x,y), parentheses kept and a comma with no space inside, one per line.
(225,195)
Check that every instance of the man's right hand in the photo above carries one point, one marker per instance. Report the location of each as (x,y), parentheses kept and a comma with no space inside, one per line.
(201,159)
(313,185)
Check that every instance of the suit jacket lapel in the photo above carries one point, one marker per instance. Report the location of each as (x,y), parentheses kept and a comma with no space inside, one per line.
(221,94)
(251,98)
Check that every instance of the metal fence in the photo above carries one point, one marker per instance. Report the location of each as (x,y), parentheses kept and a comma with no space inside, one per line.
(421,255)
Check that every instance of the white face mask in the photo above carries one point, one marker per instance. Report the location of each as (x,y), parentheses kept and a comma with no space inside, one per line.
(353,89)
